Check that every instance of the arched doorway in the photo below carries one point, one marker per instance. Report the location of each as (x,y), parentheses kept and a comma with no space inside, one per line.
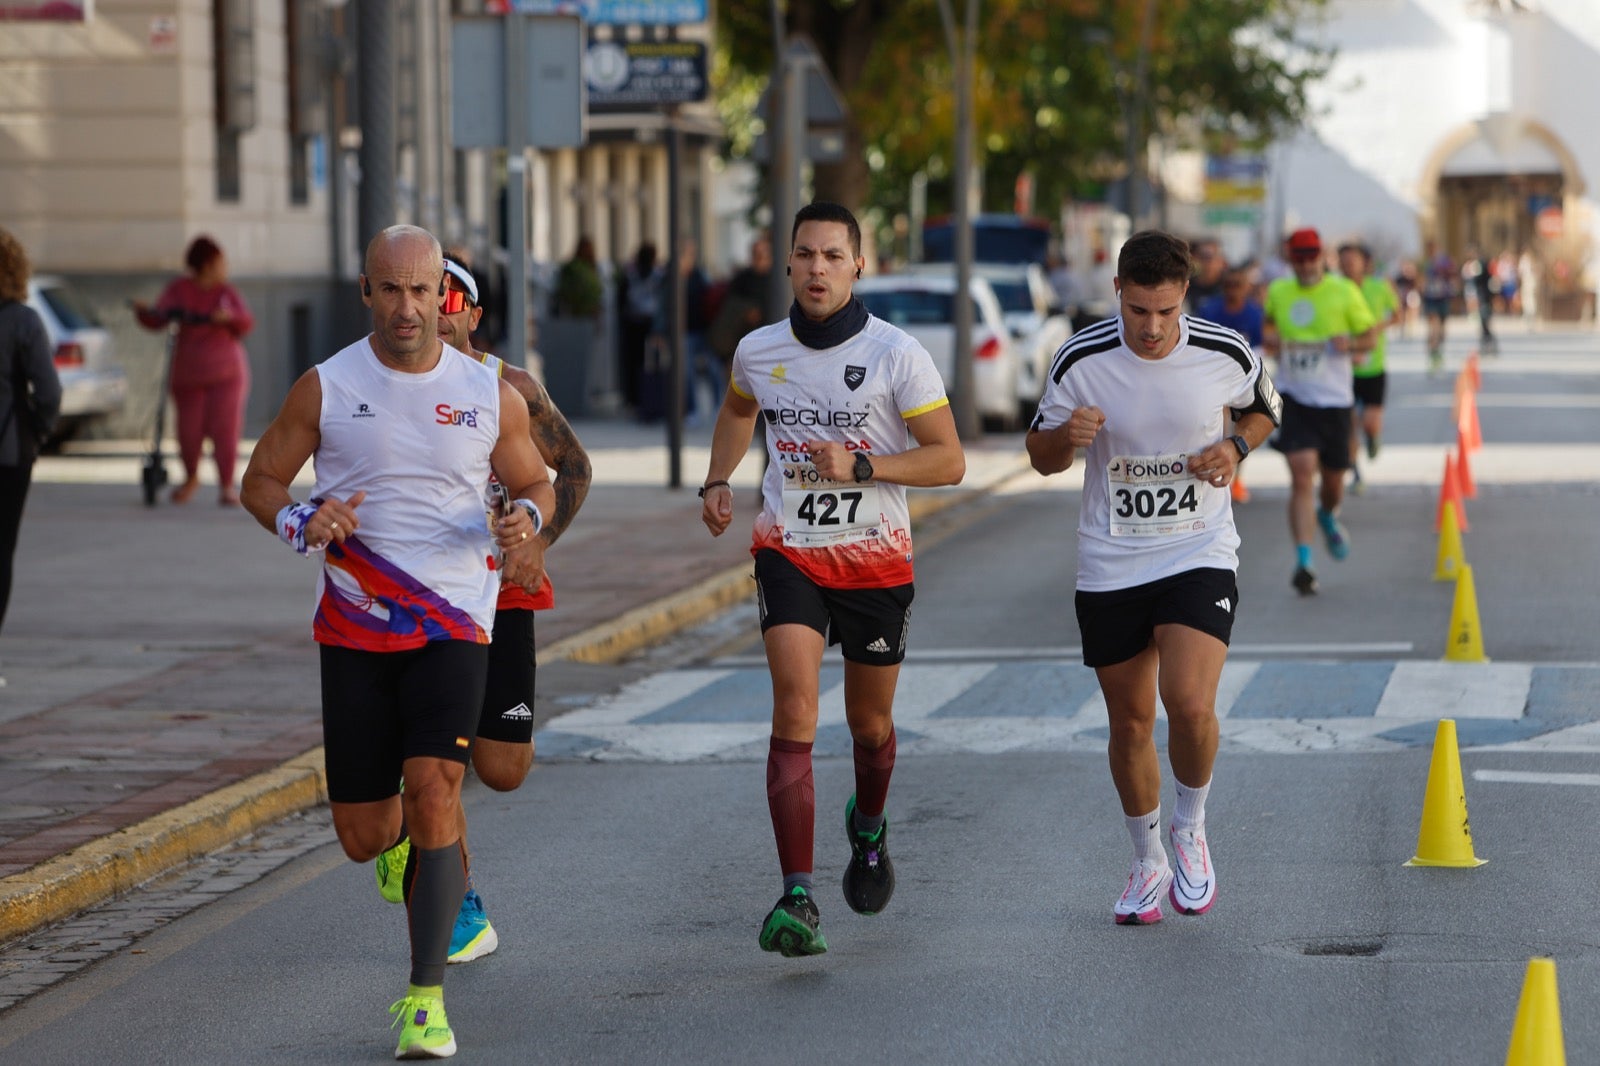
(1509,184)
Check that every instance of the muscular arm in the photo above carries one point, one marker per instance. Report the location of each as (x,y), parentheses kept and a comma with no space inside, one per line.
(558,446)
(282,450)
(936,460)
(520,467)
(1053,450)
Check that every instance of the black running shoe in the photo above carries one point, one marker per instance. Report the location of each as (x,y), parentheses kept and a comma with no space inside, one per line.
(1305,582)
(793,927)
(869,879)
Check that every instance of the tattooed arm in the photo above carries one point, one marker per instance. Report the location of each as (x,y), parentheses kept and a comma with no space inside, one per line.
(554,438)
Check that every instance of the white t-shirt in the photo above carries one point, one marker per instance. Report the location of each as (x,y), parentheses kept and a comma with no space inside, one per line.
(1143,517)
(841,535)
(421,567)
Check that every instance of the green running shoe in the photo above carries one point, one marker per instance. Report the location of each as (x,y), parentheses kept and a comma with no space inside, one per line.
(426,1033)
(869,879)
(473,936)
(794,927)
(390,869)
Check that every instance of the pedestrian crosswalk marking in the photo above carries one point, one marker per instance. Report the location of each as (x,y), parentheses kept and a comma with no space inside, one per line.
(723,712)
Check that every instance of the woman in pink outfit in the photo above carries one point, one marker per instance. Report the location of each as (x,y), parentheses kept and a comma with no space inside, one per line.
(210,371)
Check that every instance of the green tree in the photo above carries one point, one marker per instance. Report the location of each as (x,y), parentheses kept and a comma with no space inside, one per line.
(1054,86)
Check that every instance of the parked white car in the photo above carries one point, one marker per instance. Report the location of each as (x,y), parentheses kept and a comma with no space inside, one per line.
(93,383)
(924,306)
(1037,326)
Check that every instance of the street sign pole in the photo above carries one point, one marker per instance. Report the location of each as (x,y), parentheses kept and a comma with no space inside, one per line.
(675,291)
(516,132)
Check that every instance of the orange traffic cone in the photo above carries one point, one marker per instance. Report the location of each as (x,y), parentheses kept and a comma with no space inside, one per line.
(1444,837)
(1450,490)
(1467,422)
(1469,488)
(1239,492)
(1473,373)
(1536,1038)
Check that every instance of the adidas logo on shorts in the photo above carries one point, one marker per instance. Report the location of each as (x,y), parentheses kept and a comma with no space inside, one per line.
(1225,604)
(519,713)
(880,646)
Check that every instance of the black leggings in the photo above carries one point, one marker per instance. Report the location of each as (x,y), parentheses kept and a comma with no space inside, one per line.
(14,481)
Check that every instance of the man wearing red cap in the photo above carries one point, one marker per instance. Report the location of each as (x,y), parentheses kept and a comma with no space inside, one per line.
(1316,325)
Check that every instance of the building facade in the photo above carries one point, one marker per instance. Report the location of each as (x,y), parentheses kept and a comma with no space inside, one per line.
(127,132)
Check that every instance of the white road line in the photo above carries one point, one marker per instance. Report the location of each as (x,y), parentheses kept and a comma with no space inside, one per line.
(1529,777)
(1074,653)
(1451,690)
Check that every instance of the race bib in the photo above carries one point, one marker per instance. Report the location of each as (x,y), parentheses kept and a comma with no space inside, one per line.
(830,514)
(1303,359)
(1153,496)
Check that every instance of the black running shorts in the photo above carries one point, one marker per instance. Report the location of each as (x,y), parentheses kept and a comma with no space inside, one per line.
(1371,390)
(1119,624)
(869,625)
(508,696)
(382,708)
(1326,430)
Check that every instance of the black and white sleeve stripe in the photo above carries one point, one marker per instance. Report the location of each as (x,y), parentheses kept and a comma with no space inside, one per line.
(1203,334)
(1103,336)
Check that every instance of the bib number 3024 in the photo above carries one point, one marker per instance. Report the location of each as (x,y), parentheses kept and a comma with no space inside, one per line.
(1153,496)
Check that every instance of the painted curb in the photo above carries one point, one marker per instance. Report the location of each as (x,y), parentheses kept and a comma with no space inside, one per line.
(94,872)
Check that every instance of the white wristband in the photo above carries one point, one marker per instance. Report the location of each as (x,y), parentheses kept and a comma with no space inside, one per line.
(533,513)
(292,519)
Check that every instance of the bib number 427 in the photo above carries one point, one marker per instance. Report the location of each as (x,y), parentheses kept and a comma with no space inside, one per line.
(830,508)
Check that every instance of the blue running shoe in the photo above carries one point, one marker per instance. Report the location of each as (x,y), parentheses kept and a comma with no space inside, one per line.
(473,937)
(1338,541)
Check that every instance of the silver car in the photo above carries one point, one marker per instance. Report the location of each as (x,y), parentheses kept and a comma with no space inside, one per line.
(93,383)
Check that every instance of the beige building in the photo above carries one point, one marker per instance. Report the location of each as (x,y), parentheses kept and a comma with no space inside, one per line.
(128,132)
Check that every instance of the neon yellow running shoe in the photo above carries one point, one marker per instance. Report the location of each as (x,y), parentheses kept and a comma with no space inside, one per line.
(425,1033)
(390,869)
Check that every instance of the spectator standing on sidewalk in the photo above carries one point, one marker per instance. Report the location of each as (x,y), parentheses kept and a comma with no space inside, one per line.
(1146,396)
(405,432)
(639,299)
(210,370)
(742,305)
(30,399)
(855,412)
(502,753)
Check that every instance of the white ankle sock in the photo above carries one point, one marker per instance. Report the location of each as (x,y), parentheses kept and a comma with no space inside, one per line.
(1145,831)
(1190,811)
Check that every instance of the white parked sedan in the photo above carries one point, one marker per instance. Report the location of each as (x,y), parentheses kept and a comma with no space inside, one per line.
(1027,303)
(93,383)
(924,306)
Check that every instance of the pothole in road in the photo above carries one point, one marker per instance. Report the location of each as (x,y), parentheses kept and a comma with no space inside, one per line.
(1349,948)
(1426,948)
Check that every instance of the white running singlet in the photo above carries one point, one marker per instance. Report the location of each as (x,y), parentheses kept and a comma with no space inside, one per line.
(1143,517)
(840,534)
(420,566)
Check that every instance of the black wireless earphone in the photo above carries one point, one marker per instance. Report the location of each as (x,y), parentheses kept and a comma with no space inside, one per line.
(366,286)
(788,272)
(858,275)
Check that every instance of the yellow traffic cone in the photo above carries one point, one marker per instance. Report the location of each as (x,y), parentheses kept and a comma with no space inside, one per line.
(1464,644)
(1447,566)
(1445,837)
(1536,1036)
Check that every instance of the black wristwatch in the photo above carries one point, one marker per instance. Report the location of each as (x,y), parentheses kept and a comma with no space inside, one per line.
(1242,444)
(863,469)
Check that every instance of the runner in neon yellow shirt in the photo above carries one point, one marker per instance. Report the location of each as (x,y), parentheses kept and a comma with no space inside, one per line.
(1371,377)
(1316,324)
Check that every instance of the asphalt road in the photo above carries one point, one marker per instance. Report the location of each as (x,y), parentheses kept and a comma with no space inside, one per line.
(629,875)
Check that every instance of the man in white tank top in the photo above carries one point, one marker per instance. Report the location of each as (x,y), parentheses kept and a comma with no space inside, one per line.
(405,431)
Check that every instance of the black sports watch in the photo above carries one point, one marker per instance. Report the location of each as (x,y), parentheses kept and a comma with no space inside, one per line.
(863,469)
(1242,444)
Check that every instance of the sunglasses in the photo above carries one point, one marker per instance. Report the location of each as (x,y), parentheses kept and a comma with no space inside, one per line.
(1299,255)
(454,302)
